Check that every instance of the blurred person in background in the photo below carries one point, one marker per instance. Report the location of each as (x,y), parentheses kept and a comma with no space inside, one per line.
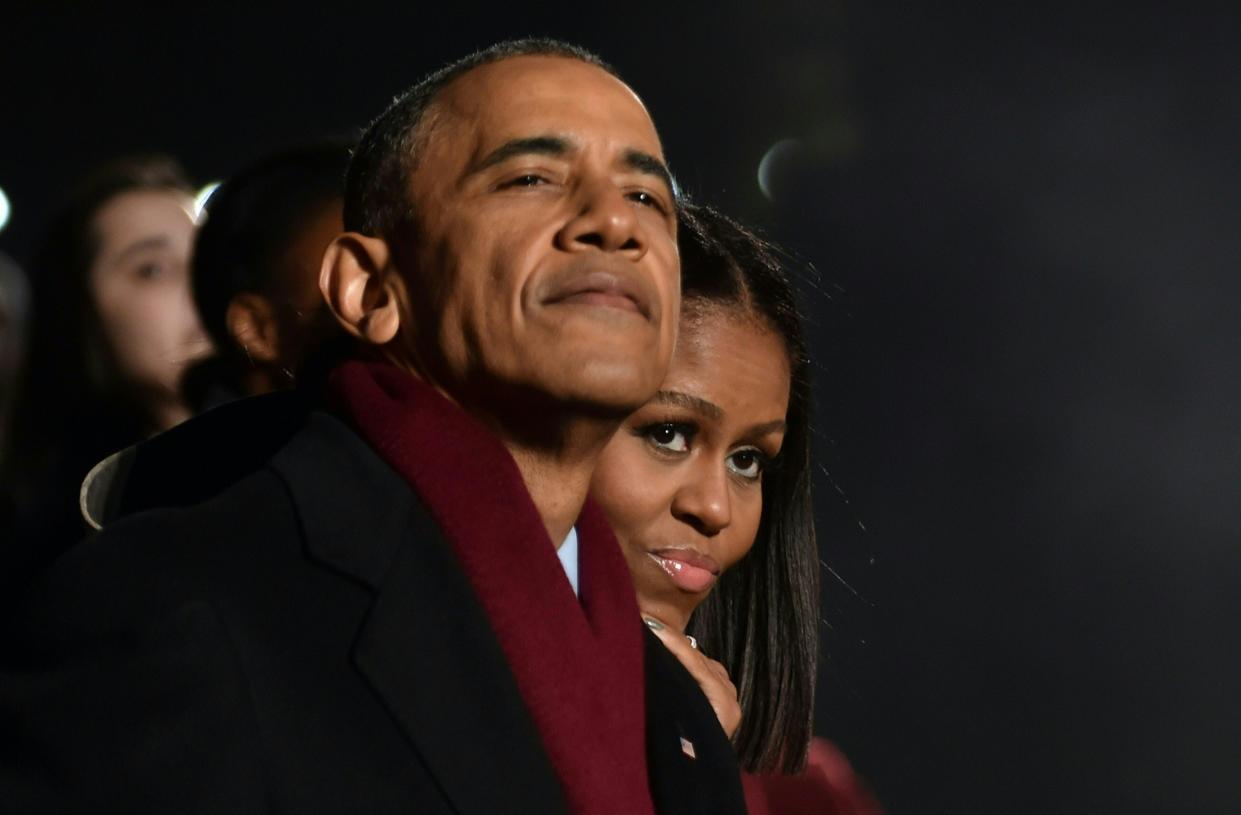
(14,308)
(255,271)
(708,489)
(112,329)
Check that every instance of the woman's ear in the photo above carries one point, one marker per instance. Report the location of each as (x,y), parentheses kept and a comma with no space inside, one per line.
(252,322)
(361,287)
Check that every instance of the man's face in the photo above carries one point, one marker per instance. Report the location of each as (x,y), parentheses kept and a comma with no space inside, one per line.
(544,262)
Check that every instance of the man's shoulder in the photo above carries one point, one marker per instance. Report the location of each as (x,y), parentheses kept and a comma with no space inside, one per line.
(196,517)
(153,562)
(193,461)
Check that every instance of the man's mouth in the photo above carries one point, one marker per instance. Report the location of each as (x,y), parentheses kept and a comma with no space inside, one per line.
(600,288)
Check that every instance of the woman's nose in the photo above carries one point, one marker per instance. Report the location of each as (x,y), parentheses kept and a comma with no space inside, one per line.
(703,500)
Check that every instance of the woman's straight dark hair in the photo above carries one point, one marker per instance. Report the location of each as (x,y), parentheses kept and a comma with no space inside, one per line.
(74,405)
(761,621)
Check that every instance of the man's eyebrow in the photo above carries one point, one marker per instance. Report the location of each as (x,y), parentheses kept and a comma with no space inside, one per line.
(538,145)
(694,403)
(631,159)
(650,165)
(156,242)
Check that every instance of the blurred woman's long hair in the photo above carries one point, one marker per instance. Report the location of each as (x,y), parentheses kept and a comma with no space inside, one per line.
(73,405)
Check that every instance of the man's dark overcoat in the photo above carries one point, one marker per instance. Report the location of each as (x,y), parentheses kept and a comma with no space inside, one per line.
(270,621)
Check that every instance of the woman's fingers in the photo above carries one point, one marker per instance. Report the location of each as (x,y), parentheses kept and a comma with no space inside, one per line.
(711,676)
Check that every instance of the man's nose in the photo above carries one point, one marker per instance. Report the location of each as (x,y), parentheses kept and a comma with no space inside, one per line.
(605,220)
(703,500)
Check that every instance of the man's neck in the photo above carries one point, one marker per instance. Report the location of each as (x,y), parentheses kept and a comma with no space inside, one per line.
(558,474)
(556,450)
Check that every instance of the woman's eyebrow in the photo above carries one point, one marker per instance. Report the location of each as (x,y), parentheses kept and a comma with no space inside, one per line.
(157,242)
(774,426)
(689,402)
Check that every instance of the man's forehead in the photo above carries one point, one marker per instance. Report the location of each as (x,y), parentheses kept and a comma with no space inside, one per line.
(516,96)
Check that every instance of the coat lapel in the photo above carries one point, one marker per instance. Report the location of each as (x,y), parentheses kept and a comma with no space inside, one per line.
(426,648)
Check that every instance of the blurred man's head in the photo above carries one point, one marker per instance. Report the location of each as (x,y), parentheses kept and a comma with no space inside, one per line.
(514,234)
(256,267)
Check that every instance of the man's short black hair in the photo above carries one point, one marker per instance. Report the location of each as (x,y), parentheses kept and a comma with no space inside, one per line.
(377,198)
(251,220)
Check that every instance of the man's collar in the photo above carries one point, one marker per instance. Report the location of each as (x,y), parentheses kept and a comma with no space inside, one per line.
(568,559)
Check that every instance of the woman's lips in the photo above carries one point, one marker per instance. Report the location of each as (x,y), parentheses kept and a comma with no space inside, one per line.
(688,570)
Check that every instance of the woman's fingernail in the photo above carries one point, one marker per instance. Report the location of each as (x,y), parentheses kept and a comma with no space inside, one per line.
(654,625)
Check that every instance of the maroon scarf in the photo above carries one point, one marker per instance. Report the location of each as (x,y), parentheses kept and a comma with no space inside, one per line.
(578,666)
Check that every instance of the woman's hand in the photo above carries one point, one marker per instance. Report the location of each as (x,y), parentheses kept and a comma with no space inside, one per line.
(710,675)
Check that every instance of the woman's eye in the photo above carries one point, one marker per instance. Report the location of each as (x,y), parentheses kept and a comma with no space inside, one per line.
(747,464)
(149,271)
(671,438)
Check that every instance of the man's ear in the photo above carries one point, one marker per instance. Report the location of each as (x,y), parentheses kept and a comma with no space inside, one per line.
(251,321)
(361,287)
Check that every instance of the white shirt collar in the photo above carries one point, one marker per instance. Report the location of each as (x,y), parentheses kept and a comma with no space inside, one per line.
(568,557)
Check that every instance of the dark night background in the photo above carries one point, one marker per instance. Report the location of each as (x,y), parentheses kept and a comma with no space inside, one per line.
(1026,222)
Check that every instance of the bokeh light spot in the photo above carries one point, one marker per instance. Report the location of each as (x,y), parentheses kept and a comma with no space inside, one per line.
(771,164)
(200,200)
(5,210)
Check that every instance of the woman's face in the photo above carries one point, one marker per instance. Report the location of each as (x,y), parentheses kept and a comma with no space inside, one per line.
(139,280)
(681,481)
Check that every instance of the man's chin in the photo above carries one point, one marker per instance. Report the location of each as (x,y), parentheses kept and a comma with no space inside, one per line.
(599,327)
(558,389)
(610,385)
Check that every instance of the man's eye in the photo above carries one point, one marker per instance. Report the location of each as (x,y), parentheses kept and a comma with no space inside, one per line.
(646,200)
(527,180)
(668,437)
(748,464)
